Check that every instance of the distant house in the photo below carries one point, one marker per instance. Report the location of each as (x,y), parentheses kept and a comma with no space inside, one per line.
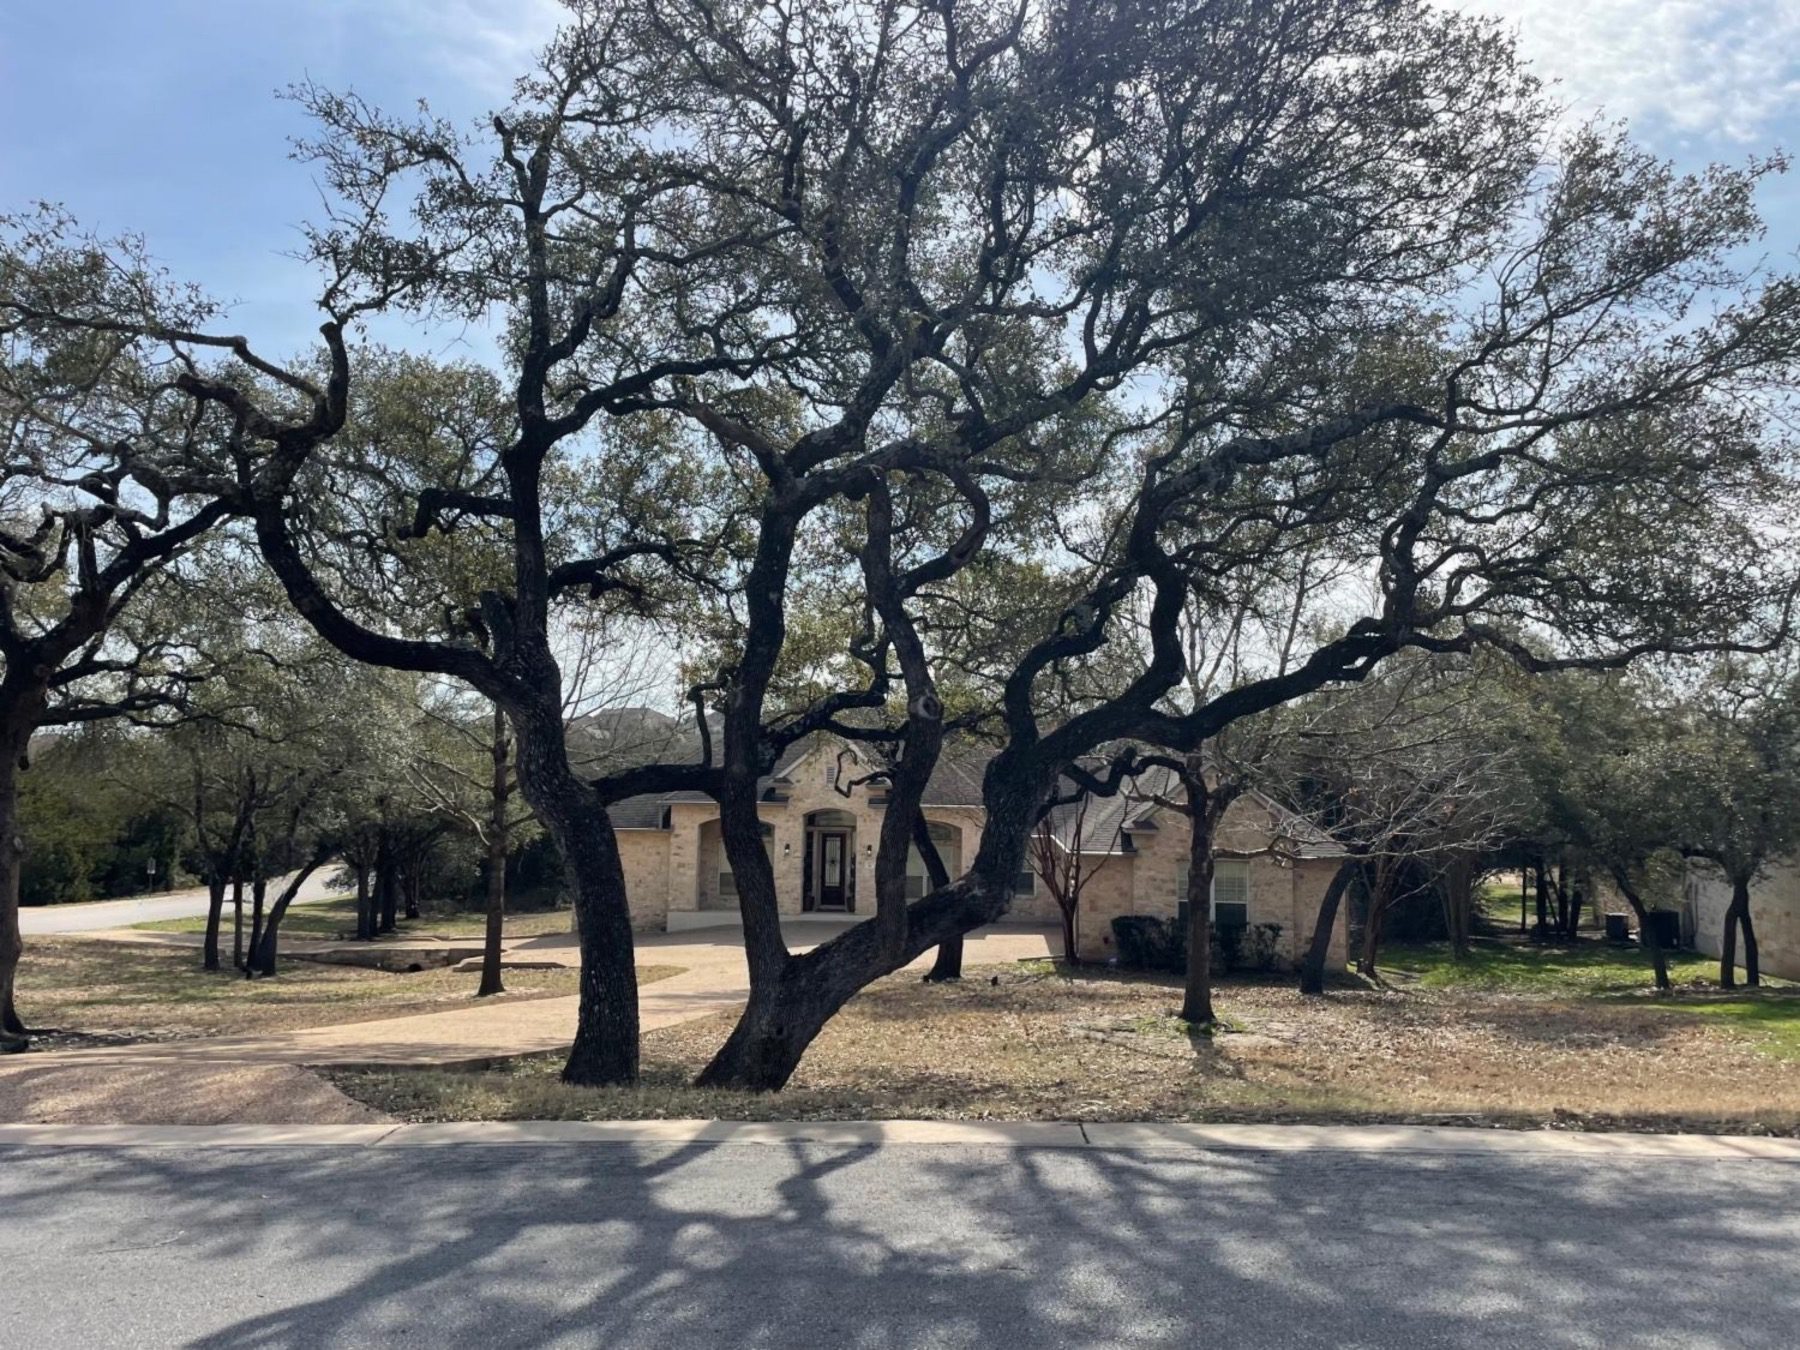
(821,822)
(1774,910)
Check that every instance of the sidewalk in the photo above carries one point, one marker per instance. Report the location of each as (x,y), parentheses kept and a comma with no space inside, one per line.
(1132,1136)
(264,1079)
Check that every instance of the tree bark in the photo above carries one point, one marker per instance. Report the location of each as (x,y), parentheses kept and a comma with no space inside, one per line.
(365,914)
(793,998)
(1647,934)
(1752,957)
(1728,941)
(1737,919)
(491,982)
(237,921)
(1196,993)
(264,955)
(605,1048)
(949,962)
(387,907)
(259,891)
(1318,951)
(948,965)
(12,942)
(215,918)
(1381,895)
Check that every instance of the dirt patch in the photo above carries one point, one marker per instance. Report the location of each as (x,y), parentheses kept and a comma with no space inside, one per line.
(173,1094)
(85,987)
(1038,1045)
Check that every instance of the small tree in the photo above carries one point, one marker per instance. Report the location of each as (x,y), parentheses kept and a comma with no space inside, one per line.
(1739,726)
(1061,860)
(467,776)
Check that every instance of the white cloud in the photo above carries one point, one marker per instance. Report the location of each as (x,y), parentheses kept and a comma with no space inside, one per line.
(482,44)
(1713,69)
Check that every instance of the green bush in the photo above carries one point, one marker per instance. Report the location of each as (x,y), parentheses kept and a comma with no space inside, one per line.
(1146,942)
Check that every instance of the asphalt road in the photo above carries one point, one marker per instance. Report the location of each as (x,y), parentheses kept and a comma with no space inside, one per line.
(779,1246)
(98,914)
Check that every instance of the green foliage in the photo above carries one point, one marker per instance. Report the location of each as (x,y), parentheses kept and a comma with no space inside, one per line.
(87,835)
(1576,969)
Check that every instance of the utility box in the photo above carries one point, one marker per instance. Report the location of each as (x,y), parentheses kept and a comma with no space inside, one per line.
(1666,925)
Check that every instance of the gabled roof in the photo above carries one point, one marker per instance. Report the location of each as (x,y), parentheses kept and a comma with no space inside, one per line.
(1109,823)
(624,737)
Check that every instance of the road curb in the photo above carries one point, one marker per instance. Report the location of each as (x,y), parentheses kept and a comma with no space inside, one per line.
(1096,1137)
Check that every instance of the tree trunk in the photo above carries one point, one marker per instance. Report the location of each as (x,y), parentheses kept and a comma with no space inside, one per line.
(605,1049)
(1196,992)
(215,918)
(259,892)
(496,860)
(948,965)
(1380,895)
(1318,951)
(415,885)
(1752,958)
(263,955)
(365,914)
(237,921)
(1647,935)
(12,942)
(1737,919)
(388,901)
(1728,943)
(1541,929)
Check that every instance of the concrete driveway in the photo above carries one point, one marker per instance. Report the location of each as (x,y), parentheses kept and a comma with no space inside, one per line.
(96,915)
(713,979)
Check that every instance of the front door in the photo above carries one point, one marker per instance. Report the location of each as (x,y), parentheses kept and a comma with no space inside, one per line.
(834,865)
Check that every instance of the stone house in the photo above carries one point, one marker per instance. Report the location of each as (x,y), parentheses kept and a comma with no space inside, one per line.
(821,822)
(1774,909)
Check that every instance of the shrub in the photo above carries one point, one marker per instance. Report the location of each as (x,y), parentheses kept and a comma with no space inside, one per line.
(1146,942)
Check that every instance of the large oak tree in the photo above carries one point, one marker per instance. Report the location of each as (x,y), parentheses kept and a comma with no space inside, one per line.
(898,301)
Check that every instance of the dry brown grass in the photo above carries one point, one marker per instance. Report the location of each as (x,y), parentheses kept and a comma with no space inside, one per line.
(143,992)
(1033,1044)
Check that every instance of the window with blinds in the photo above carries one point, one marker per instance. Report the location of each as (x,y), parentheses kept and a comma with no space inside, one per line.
(1230,892)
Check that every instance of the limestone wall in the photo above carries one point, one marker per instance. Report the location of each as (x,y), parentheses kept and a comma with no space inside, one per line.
(1774,910)
(1145,882)
(645,855)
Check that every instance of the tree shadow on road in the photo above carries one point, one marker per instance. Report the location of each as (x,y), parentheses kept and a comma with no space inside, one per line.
(745,1245)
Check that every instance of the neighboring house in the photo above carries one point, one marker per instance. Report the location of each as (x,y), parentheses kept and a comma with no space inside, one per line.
(821,823)
(1774,910)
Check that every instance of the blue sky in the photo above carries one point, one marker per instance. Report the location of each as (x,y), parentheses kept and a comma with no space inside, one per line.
(160,116)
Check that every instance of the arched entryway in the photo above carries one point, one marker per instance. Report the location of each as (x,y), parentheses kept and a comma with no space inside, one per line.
(828,876)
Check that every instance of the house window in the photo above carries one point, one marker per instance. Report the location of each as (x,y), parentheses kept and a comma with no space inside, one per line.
(831,773)
(949,846)
(1230,892)
(1025,883)
(727,882)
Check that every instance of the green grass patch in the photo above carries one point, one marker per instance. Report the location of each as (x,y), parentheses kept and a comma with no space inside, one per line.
(1772,1023)
(1585,967)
